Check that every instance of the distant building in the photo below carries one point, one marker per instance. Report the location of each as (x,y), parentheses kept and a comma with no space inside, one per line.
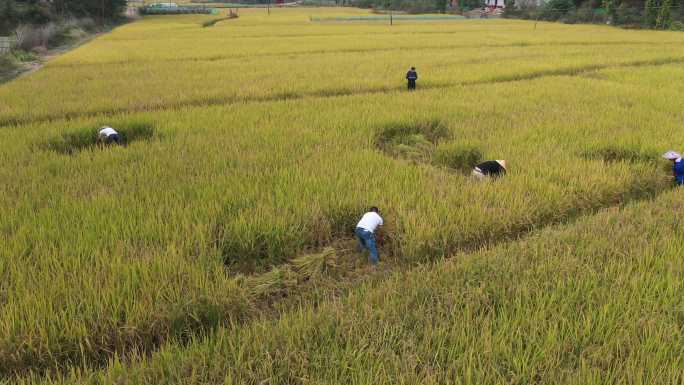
(487,3)
(529,3)
(518,3)
(495,3)
(502,3)
(163,5)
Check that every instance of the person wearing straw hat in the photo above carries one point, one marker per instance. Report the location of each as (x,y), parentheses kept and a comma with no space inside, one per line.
(677,166)
(493,168)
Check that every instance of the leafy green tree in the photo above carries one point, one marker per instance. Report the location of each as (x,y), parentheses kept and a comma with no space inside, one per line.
(555,9)
(8,16)
(664,19)
(109,9)
(611,7)
(441,5)
(471,4)
(651,13)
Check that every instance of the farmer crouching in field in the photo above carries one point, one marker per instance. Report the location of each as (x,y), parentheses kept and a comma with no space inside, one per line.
(677,166)
(365,232)
(108,135)
(412,76)
(491,168)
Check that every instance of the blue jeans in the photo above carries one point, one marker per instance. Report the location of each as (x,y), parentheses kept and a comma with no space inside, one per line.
(367,241)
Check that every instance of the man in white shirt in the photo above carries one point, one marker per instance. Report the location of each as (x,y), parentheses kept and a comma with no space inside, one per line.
(108,135)
(365,230)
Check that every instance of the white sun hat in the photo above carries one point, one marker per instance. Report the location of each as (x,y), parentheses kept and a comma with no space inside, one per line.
(502,163)
(672,155)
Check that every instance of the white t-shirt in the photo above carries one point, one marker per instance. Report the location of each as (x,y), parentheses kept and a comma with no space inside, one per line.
(105,132)
(370,221)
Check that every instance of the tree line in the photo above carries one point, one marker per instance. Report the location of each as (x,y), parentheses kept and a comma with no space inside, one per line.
(14,13)
(655,14)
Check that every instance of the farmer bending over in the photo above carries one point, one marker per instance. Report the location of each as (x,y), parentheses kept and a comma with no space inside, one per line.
(365,232)
(412,76)
(490,168)
(677,166)
(108,135)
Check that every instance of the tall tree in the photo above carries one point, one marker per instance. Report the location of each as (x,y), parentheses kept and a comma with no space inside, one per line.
(8,16)
(611,9)
(664,19)
(651,12)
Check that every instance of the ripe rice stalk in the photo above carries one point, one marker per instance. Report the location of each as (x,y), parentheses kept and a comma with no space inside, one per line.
(276,281)
(314,265)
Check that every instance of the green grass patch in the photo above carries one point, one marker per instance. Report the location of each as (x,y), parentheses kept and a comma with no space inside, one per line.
(425,142)
(70,143)
(413,141)
(460,157)
(617,153)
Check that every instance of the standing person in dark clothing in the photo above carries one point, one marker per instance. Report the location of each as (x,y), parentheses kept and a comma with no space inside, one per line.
(412,76)
(492,168)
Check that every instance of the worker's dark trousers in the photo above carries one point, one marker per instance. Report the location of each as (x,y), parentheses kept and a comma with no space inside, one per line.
(411,85)
(112,139)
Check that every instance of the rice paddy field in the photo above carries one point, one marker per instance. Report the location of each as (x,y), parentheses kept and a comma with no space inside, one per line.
(216,246)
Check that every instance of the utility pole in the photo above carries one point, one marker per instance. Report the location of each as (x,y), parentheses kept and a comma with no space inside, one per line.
(268,7)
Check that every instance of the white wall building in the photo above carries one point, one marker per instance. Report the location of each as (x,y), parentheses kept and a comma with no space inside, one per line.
(495,3)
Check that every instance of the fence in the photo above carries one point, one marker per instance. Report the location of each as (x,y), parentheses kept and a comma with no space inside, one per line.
(6,44)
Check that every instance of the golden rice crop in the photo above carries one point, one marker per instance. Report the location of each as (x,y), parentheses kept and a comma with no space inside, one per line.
(595,302)
(263,145)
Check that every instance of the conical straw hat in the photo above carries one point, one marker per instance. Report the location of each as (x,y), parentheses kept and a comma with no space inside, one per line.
(671,155)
